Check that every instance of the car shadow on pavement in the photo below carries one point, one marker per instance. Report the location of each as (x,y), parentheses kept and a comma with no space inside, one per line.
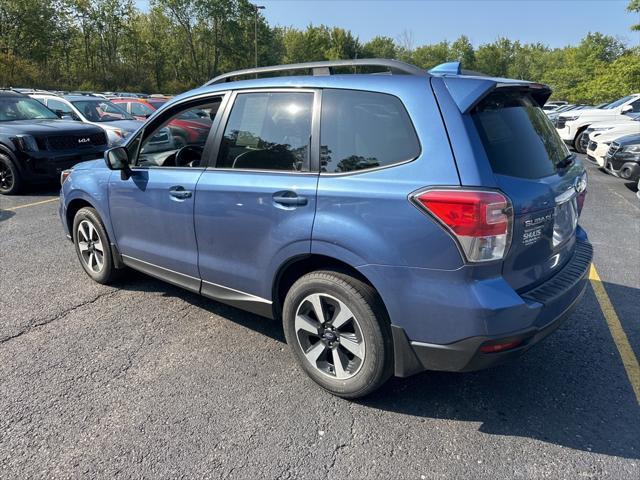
(633,186)
(571,390)
(136,281)
(6,214)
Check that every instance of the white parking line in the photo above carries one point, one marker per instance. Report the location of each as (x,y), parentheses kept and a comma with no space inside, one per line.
(32,204)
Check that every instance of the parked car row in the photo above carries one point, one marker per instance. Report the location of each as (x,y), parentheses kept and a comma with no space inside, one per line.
(42,133)
(36,144)
(610,136)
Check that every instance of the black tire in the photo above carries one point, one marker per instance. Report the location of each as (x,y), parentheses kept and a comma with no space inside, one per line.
(372,324)
(107,272)
(576,142)
(10,180)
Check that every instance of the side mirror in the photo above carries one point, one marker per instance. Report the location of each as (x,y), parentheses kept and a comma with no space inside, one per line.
(626,109)
(117,158)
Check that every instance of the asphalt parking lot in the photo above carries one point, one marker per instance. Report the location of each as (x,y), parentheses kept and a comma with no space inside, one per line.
(147,380)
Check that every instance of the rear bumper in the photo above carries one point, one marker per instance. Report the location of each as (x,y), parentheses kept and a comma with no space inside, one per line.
(552,302)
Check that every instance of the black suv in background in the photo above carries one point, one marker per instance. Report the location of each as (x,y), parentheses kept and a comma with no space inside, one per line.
(36,145)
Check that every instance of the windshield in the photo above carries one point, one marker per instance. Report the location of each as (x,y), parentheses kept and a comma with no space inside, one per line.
(101,111)
(23,108)
(617,103)
(518,138)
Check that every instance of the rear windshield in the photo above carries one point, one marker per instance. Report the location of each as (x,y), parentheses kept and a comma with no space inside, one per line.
(519,139)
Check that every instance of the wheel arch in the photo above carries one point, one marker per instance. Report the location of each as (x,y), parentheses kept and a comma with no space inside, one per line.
(296,267)
(73,207)
(579,131)
(6,151)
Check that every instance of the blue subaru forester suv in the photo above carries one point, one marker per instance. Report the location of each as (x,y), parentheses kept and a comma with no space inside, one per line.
(396,220)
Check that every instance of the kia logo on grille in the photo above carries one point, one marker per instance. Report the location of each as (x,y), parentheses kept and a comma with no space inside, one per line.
(84,140)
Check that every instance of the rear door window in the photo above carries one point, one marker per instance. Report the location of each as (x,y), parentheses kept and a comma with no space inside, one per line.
(518,138)
(364,130)
(268,131)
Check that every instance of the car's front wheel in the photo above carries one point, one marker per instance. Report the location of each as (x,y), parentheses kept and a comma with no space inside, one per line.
(10,181)
(92,246)
(338,330)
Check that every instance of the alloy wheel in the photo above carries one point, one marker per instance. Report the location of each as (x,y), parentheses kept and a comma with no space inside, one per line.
(6,177)
(90,246)
(329,335)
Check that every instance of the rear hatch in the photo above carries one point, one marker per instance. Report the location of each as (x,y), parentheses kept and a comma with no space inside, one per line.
(534,168)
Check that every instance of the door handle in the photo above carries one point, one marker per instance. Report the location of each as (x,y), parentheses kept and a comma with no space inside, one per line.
(180,193)
(290,199)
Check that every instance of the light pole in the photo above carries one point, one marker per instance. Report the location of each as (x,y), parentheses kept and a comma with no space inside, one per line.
(255,30)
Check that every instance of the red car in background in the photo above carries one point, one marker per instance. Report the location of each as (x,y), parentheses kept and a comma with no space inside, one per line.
(189,129)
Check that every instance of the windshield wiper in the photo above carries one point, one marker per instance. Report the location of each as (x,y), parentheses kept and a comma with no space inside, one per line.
(566,161)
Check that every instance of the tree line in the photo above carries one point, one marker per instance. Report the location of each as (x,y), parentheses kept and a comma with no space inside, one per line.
(179,44)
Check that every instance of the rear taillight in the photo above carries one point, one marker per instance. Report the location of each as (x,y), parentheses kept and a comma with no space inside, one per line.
(480,221)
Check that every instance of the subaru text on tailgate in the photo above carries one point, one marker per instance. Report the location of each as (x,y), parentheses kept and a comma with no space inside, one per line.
(394,223)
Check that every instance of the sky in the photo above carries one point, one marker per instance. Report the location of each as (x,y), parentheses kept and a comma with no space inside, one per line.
(555,23)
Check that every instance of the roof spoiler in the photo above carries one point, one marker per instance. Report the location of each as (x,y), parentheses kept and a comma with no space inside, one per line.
(468,91)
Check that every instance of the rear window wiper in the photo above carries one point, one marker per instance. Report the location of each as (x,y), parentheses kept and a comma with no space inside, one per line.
(566,161)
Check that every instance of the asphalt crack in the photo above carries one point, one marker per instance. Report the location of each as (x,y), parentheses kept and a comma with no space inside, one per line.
(46,321)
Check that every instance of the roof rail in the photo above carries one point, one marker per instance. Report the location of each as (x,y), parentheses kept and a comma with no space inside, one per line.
(324,68)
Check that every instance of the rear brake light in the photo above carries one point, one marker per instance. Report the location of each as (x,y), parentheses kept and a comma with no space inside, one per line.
(480,221)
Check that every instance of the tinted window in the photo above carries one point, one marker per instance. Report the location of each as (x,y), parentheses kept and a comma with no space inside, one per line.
(22,108)
(268,131)
(361,130)
(58,106)
(618,102)
(101,111)
(141,110)
(518,138)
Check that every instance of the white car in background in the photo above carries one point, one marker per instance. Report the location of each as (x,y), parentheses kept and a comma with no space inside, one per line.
(572,123)
(601,137)
(116,123)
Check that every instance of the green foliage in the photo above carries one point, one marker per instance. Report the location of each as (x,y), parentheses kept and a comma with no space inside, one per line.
(380,47)
(179,44)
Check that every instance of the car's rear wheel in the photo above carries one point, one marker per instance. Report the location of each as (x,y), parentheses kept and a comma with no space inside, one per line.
(338,330)
(10,181)
(92,246)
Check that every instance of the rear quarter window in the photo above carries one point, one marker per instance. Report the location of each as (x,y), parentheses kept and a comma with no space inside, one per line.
(517,136)
(364,130)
